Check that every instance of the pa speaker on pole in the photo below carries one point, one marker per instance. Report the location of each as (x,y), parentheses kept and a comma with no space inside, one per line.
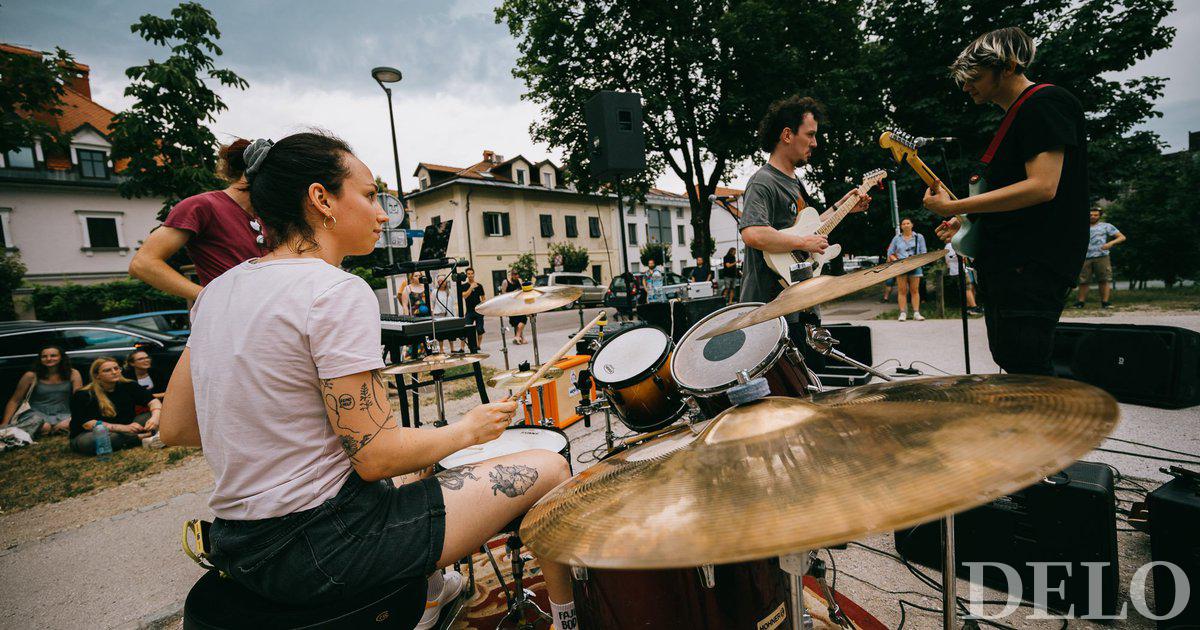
(614,126)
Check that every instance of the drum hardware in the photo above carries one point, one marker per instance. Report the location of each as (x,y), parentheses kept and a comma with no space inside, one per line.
(708,576)
(816,568)
(435,365)
(822,341)
(795,565)
(579,573)
(545,367)
(521,603)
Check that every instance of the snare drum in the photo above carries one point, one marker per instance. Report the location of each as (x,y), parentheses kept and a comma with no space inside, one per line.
(633,368)
(513,440)
(706,369)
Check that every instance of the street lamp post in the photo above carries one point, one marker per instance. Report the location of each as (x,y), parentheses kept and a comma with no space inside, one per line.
(382,75)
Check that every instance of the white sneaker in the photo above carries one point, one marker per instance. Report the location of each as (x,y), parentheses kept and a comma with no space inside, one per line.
(903,317)
(917,317)
(451,588)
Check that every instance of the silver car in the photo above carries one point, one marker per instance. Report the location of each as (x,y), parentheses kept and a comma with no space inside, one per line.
(593,294)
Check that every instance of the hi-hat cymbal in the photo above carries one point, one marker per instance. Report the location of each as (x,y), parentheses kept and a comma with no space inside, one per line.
(529,302)
(782,475)
(517,378)
(821,289)
(434,362)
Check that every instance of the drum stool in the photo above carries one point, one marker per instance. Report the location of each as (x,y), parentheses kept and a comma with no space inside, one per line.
(218,603)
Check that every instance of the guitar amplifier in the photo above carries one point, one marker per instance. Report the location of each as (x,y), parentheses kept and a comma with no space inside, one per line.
(677,316)
(853,340)
(1158,366)
(1068,518)
(1174,512)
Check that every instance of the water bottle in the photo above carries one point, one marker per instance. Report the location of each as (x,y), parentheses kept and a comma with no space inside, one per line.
(103,441)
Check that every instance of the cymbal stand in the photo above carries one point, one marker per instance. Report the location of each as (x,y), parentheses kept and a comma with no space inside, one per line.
(546,420)
(441,400)
(521,603)
(796,565)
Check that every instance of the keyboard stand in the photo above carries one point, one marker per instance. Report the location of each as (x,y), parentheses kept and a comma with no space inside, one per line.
(402,388)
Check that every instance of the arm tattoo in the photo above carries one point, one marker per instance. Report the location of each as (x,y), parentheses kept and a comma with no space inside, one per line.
(370,398)
(513,481)
(456,478)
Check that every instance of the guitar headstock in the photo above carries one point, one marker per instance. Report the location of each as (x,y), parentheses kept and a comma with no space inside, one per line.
(899,143)
(870,179)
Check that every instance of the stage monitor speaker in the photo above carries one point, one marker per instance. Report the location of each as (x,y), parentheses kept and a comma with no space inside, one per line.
(614,127)
(1068,518)
(853,340)
(677,316)
(1174,513)
(1158,366)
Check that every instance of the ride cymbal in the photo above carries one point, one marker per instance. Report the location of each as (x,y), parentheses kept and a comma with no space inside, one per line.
(434,362)
(782,475)
(821,289)
(517,378)
(529,301)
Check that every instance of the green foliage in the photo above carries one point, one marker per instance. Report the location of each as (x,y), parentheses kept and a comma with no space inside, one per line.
(97,301)
(575,258)
(11,272)
(171,151)
(703,247)
(1161,218)
(366,274)
(660,252)
(31,85)
(526,266)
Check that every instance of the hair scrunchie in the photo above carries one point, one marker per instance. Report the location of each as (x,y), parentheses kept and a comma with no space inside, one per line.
(255,154)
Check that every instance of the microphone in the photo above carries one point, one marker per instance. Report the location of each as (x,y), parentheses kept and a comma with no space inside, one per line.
(715,198)
(924,141)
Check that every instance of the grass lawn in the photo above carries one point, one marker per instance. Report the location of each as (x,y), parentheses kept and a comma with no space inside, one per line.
(1173,299)
(49,471)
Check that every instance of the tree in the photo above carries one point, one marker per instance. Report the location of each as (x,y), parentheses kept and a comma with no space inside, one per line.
(575,258)
(1161,218)
(31,91)
(164,135)
(703,248)
(12,270)
(659,252)
(706,69)
(526,266)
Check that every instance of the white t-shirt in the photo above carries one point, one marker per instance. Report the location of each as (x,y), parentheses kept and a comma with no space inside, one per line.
(263,336)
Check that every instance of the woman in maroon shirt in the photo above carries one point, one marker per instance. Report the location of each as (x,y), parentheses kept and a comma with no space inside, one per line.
(219,229)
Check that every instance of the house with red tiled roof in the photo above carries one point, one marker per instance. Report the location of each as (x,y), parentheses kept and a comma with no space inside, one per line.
(503,208)
(59,206)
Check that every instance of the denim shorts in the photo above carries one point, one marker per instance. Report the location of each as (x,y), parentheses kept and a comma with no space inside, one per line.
(367,535)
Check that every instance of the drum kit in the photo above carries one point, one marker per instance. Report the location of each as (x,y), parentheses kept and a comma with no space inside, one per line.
(743,467)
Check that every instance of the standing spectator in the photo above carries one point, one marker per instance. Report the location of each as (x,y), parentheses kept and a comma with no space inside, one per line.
(1097,264)
(112,399)
(218,228)
(137,369)
(952,265)
(729,275)
(47,387)
(654,281)
(908,243)
(472,295)
(702,272)
(412,296)
(513,283)
(444,305)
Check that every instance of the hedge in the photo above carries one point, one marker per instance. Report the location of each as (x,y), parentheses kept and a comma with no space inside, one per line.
(97,301)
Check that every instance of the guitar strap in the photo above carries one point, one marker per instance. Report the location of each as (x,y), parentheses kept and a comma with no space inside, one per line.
(977,177)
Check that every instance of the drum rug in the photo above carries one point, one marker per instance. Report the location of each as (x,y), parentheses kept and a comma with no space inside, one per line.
(487,607)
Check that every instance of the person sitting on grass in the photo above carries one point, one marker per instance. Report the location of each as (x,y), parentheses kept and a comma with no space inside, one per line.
(137,369)
(52,381)
(111,398)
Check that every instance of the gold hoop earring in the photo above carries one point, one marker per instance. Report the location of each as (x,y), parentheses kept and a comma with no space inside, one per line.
(325,222)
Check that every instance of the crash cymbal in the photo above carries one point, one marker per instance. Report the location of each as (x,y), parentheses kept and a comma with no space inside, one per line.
(821,289)
(517,378)
(530,301)
(781,475)
(435,362)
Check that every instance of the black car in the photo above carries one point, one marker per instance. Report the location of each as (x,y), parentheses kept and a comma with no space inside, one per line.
(84,342)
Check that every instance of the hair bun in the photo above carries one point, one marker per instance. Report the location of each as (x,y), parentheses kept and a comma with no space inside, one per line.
(255,154)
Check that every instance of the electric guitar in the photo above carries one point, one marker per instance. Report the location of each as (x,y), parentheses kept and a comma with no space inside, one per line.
(808,222)
(904,149)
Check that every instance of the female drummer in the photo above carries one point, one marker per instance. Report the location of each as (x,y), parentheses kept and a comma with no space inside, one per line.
(280,384)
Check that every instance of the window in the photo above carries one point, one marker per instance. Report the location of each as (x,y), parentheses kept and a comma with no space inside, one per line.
(424,183)
(679,213)
(572,226)
(631,211)
(520,176)
(6,241)
(76,339)
(596,273)
(548,179)
(625,120)
(92,164)
(541,281)
(101,232)
(28,344)
(547,224)
(594,227)
(682,235)
(658,228)
(498,278)
(496,224)
(635,267)
(20,158)
(573,281)
(633,240)
(435,219)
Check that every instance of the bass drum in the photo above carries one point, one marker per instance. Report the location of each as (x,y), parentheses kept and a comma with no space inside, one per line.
(707,368)
(741,596)
(633,369)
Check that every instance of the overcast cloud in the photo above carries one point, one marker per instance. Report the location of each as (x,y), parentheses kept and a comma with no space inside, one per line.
(308,64)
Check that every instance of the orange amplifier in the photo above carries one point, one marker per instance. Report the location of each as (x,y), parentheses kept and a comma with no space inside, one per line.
(562,395)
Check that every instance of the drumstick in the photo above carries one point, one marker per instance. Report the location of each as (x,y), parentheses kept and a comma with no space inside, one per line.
(557,355)
(653,434)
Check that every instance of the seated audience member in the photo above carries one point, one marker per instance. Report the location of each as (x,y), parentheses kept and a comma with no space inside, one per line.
(112,399)
(137,369)
(47,387)
(306,510)
(218,228)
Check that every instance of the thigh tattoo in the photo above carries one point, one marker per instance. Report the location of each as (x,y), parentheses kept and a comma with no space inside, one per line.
(456,478)
(513,481)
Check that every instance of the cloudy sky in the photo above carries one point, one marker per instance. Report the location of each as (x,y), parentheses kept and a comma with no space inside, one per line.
(308,63)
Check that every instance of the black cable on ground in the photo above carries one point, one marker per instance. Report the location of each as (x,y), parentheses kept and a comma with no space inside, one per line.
(1173,460)
(1157,448)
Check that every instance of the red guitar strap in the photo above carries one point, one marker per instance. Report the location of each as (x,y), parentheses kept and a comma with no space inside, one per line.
(1007,122)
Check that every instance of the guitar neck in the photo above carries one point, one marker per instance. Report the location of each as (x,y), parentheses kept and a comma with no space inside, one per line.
(926,173)
(840,212)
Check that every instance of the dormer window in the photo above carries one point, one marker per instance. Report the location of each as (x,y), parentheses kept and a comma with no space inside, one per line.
(521,176)
(92,164)
(424,181)
(19,158)
(548,178)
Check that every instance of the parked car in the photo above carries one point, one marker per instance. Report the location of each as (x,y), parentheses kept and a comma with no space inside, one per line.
(854,263)
(84,342)
(176,323)
(674,285)
(593,294)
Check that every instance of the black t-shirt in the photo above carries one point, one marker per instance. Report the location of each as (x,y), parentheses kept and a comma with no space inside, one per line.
(473,300)
(729,266)
(1054,233)
(125,397)
(700,273)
